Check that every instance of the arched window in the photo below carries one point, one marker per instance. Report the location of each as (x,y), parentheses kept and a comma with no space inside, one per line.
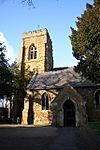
(97,99)
(33,52)
(45,101)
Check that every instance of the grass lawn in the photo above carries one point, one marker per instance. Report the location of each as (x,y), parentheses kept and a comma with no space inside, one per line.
(95,126)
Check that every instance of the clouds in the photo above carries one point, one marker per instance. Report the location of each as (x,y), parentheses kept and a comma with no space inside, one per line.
(10,54)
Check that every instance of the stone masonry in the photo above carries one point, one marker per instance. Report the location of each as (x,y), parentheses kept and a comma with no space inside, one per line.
(43,44)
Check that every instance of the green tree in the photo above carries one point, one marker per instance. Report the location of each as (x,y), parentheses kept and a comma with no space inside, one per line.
(20,82)
(13,84)
(5,74)
(85,42)
(6,78)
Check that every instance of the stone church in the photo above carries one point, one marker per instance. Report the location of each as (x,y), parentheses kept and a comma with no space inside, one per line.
(55,96)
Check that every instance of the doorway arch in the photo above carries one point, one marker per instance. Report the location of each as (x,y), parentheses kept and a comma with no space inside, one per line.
(69,113)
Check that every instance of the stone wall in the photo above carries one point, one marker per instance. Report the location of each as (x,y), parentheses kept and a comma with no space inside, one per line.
(80,96)
(43,117)
(88,95)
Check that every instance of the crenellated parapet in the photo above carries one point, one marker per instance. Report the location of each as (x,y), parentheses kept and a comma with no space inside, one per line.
(35,33)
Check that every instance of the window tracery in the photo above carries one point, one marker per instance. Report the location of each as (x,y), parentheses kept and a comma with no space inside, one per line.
(33,52)
(45,101)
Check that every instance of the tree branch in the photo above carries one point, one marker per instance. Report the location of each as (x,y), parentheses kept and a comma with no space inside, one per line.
(29,2)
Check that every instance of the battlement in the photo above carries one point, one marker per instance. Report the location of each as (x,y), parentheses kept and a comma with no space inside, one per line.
(35,33)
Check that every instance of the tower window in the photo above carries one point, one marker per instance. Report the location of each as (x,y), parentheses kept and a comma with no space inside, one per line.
(97,99)
(45,101)
(33,52)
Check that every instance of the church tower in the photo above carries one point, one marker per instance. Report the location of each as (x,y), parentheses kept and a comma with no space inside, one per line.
(36,51)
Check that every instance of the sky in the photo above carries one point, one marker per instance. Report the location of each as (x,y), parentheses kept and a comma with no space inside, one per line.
(55,15)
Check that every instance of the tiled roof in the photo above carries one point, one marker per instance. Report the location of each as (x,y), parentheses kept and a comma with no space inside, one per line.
(57,79)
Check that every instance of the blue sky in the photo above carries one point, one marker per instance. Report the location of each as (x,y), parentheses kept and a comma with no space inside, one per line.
(55,15)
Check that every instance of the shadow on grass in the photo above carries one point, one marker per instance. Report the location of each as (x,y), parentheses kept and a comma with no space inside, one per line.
(95,126)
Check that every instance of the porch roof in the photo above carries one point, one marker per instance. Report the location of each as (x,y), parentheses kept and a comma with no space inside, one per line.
(57,79)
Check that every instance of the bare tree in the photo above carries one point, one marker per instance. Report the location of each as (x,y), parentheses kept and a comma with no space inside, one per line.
(29,2)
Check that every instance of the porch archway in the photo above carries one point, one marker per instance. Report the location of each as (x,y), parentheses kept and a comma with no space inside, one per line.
(69,113)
